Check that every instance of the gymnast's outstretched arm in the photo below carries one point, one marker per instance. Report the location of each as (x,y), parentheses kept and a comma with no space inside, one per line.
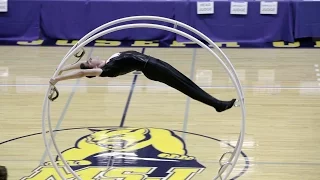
(70,67)
(76,74)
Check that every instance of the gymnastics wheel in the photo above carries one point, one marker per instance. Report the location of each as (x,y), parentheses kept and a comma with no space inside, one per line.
(101,31)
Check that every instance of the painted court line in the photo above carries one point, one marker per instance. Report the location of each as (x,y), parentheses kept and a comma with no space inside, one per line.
(206,161)
(186,112)
(316,69)
(111,159)
(45,153)
(130,95)
(162,87)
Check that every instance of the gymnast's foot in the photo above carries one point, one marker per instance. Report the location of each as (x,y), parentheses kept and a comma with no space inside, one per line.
(225,105)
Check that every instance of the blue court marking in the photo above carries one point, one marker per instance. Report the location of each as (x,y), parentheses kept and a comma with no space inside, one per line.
(130,96)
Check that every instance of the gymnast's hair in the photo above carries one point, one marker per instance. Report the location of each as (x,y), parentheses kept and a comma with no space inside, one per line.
(83,66)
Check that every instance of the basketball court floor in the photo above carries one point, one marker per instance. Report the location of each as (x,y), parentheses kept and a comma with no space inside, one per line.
(282,139)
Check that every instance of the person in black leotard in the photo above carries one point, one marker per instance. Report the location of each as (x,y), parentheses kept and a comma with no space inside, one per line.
(154,69)
(3,173)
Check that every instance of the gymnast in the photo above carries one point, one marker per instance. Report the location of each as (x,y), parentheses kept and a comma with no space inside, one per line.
(154,69)
(3,173)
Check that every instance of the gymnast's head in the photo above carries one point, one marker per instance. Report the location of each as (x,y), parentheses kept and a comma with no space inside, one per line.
(92,63)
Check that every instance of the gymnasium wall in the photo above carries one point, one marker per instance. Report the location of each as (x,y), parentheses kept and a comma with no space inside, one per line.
(247,23)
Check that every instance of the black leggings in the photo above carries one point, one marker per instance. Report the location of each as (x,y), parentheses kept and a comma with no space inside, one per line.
(161,71)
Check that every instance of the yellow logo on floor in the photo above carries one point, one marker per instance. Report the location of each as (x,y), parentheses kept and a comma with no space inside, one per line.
(125,153)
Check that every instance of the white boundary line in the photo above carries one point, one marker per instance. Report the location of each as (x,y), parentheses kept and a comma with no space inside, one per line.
(160,87)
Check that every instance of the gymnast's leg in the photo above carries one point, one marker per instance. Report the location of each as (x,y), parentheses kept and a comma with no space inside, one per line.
(161,71)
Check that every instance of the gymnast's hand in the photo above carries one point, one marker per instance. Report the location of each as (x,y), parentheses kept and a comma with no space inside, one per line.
(53,81)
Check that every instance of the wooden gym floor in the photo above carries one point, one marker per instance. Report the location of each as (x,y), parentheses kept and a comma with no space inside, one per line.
(282,90)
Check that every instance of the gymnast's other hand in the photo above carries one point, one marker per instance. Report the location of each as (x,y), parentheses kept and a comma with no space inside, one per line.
(53,81)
